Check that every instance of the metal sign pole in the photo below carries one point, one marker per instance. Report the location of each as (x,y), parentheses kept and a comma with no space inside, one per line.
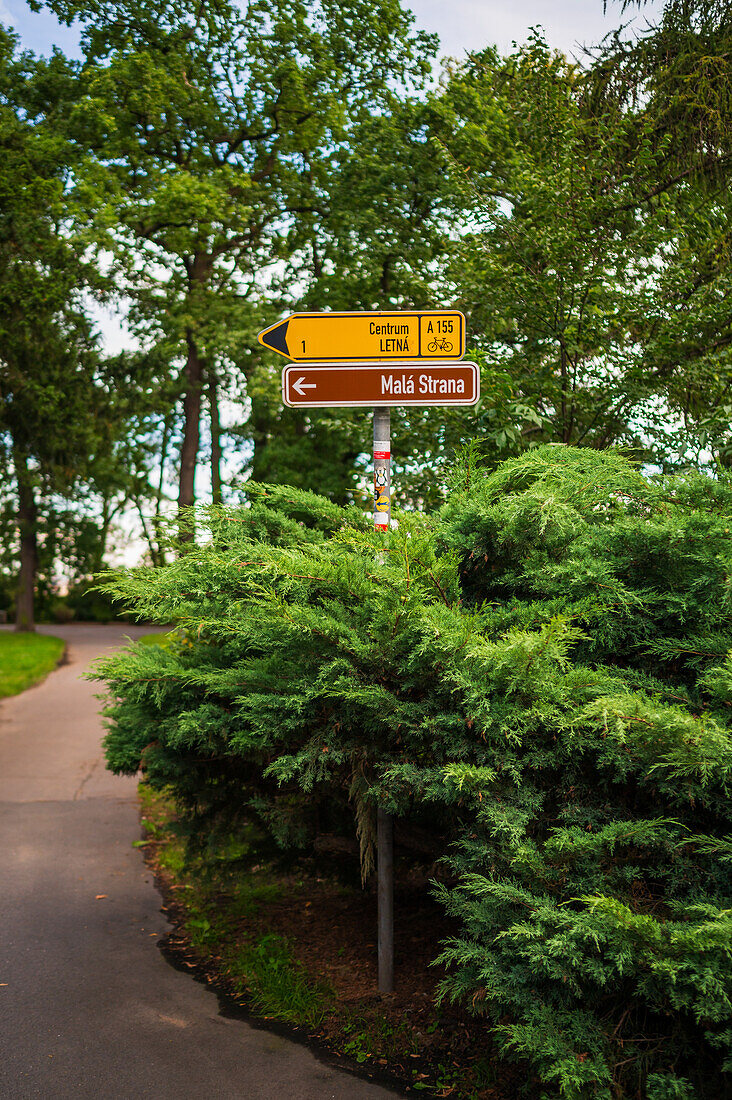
(384,821)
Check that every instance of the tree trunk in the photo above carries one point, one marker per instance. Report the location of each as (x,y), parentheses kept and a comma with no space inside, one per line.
(191,433)
(157,552)
(261,424)
(213,400)
(149,536)
(27,525)
(565,383)
(109,511)
(198,269)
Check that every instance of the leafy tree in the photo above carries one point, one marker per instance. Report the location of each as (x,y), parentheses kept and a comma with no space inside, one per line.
(371,239)
(54,415)
(379,237)
(385,243)
(677,73)
(540,677)
(212,123)
(606,290)
(677,78)
(136,478)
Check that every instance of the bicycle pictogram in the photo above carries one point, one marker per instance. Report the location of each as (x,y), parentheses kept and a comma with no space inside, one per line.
(444,346)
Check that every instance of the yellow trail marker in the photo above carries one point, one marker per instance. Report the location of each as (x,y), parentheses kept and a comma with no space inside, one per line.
(350,337)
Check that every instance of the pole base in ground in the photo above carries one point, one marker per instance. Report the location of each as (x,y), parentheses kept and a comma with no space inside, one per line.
(385,852)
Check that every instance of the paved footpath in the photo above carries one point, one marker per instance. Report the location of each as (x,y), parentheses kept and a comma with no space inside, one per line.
(88,1005)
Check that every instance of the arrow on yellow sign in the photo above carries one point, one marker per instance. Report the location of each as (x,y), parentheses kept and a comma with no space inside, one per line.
(350,337)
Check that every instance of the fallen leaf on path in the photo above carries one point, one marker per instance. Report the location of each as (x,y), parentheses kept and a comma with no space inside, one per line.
(100,896)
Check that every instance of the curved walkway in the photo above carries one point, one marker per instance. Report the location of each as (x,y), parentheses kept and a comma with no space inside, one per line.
(88,1006)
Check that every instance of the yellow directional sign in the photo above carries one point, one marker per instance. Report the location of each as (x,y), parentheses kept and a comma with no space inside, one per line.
(350,337)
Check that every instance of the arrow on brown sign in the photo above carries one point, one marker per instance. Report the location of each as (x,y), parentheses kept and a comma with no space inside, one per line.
(301,386)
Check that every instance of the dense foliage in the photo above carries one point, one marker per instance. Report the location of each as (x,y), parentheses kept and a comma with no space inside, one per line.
(608,276)
(208,168)
(55,411)
(540,675)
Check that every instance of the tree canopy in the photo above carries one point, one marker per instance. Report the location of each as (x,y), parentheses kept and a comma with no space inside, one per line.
(225,167)
(608,292)
(214,129)
(54,413)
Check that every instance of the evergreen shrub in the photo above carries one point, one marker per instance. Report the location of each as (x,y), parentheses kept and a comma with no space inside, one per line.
(543,673)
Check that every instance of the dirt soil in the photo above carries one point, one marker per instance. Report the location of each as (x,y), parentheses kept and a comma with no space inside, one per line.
(402,1038)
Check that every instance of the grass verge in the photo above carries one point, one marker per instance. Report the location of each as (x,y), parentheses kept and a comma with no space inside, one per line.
(25,659)
(292,946)
(217,901)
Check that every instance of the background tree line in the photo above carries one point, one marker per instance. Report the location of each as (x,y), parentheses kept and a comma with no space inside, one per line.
(209,169)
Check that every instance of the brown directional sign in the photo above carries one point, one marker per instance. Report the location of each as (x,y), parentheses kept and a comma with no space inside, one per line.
(323,385)
(368,337)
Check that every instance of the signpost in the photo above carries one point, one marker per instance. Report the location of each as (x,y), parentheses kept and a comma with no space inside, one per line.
(378,360)
(384,820)
(368,384)
(355,337)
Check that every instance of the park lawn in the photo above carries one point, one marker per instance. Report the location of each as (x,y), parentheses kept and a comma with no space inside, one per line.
(25,659)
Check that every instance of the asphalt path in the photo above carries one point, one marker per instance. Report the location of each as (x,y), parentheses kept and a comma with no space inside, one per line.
(88,1005)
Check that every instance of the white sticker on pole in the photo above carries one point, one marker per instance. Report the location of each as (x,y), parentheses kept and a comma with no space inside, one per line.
(382,449)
